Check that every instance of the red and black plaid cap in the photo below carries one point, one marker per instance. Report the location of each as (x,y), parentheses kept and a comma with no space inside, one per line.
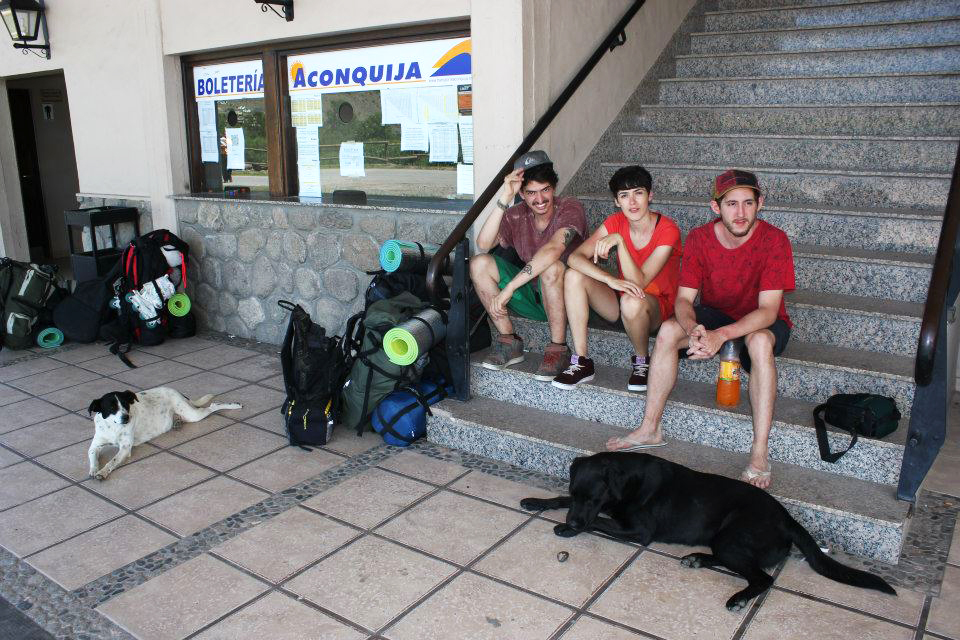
(733,178)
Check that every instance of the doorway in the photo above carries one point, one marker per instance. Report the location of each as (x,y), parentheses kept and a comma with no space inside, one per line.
(46,162)
(28,168)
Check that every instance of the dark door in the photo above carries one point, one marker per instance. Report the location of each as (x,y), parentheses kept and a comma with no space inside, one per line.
(28,167)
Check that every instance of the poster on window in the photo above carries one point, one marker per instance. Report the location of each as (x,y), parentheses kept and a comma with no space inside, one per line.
(229,81)
(409,65)
(233,139)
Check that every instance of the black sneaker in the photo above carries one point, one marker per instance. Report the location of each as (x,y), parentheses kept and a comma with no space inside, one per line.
(638,379)
(580,370)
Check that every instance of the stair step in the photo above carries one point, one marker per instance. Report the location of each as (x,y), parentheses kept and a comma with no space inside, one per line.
(876,274)
(938,119)
(691,415)
(857,153)
(807,187)
(830,15)
(729,5)
(906,33)
(900,230)
(806,371)
(826,62)
(893,87)
(860,517)
(855,322)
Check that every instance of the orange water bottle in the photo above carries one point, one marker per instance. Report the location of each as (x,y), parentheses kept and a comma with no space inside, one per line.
(728,378)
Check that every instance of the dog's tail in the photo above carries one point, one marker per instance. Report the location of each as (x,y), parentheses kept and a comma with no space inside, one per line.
(202,402)
(830,568)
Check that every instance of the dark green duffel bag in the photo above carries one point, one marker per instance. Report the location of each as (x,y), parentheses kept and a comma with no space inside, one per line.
(25,290)
(860,414)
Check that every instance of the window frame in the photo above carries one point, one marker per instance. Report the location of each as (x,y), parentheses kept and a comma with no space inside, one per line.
(281,135)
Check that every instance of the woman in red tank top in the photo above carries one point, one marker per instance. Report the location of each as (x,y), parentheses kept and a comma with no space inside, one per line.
(643,290)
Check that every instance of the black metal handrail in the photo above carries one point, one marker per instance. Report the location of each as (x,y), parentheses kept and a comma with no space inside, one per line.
(939,282)
(616,37)
(928,413)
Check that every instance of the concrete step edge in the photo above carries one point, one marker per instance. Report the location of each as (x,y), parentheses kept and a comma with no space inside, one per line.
(898,214)
(802,138)
(849,76)
(801,52)
(721,12)
(870,25)
(802,105)
(780,170)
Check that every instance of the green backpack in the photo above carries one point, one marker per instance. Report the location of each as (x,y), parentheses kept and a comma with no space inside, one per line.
(373,377)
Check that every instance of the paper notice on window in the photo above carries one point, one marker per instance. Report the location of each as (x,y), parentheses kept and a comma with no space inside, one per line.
(208,146)
(398,106)
(414,137)
(207,116)
(306,109)
(308,161)
(351,160)
(443,142)
(465,178)
(466,138)
(438,104)
(235,148)
(207,112)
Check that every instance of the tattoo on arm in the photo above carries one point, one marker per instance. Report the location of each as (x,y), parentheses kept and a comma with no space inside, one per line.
(527,269)
(568,236)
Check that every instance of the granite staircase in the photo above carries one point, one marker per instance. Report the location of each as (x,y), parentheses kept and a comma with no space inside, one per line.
(848,112)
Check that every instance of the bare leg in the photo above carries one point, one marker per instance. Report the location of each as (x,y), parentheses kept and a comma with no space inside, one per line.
(663,375)
(486,279)
(763,394)
(580,294)
(640,317)
(551,286)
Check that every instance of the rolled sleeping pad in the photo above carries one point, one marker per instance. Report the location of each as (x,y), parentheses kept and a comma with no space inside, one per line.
(49,338)
(414,337)
(179,304)
(408,257)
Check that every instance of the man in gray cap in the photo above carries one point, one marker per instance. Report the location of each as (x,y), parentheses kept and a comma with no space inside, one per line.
(543,229)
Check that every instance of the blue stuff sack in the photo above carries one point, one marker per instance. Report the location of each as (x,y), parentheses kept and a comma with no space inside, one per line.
(401,417)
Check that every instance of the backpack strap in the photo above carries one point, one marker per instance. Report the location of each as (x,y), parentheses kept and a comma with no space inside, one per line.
(825,454)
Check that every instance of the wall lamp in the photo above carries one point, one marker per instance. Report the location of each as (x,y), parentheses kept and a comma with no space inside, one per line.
(286,6)
(23,19)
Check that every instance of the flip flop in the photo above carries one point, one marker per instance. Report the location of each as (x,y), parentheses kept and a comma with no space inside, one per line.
(635,445)
(749,473)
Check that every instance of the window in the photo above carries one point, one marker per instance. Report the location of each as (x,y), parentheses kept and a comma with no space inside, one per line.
(231,126)
(389,116)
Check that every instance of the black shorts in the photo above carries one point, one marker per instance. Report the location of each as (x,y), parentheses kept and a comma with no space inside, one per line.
(712,319)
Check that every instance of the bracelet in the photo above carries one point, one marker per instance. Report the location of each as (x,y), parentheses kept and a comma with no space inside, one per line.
(501,205)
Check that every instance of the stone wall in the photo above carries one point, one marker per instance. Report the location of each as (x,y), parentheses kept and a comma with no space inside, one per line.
(247,255)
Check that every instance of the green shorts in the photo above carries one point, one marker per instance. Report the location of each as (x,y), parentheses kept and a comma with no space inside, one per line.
(526,300)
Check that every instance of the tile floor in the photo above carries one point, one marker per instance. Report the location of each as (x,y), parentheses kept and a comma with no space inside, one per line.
(220,530)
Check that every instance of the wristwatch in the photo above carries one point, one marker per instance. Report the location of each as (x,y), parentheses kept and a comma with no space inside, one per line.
(501,205)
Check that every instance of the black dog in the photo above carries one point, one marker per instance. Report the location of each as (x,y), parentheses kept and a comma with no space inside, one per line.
(650,499)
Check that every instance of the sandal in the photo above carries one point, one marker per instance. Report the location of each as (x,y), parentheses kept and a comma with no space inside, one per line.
(632,445)
(749,474)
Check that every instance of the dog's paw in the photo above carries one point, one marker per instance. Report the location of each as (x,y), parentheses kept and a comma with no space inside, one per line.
(691,561)
(736,604)
(565,531)
(532,504)
(100,476)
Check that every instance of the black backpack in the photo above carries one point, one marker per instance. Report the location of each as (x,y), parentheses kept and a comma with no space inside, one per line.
(315,367)
(25,290)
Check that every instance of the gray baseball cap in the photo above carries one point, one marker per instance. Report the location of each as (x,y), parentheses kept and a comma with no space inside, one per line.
(532,159)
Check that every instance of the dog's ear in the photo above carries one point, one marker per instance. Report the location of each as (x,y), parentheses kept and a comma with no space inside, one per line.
(615,481)
(127,398)
(94,407)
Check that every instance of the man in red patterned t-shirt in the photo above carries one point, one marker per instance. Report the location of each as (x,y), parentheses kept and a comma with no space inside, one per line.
(741,266)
